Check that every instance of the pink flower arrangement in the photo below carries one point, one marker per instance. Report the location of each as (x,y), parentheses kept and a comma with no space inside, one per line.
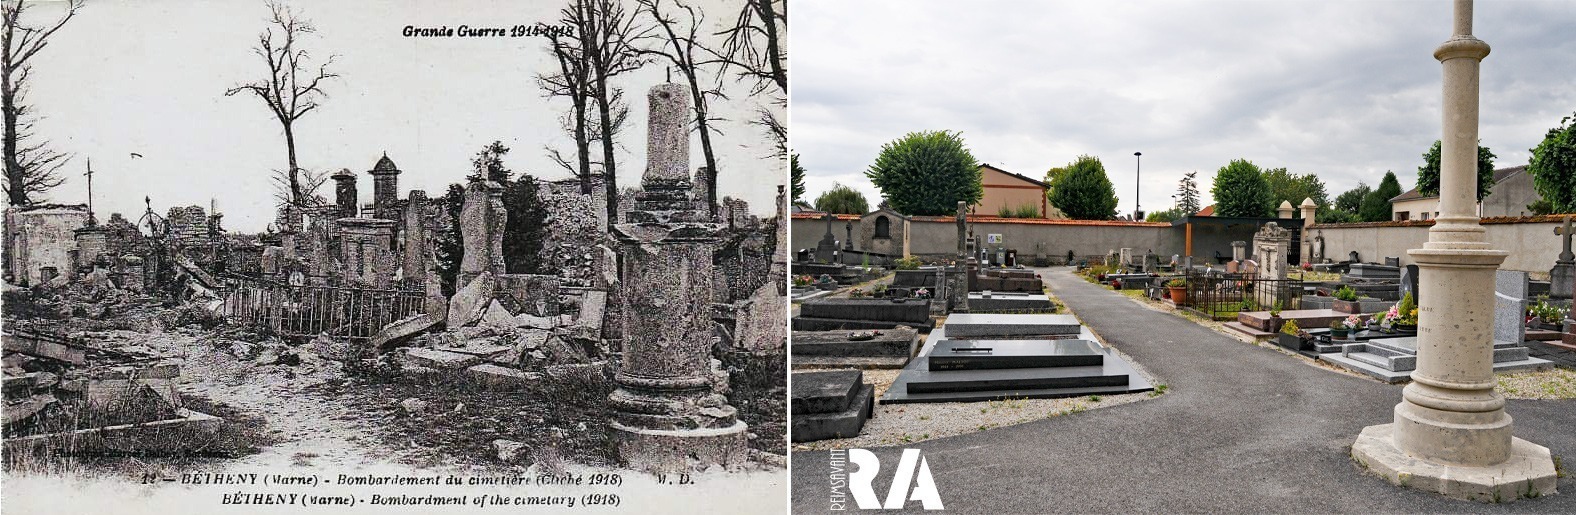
(1352,321)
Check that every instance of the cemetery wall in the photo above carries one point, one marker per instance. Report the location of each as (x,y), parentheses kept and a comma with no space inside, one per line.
(1531,240)
(937,235)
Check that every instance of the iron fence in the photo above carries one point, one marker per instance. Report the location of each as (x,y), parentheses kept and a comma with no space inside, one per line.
(1222,296)
(306,311)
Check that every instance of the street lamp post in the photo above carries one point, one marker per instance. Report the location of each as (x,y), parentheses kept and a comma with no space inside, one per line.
(1138,173)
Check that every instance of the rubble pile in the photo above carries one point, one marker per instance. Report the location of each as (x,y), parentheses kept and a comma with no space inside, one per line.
(64,395)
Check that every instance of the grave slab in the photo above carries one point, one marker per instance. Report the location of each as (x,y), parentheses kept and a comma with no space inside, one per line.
(1006,354)
(846,423)
(986,325)
(827,391)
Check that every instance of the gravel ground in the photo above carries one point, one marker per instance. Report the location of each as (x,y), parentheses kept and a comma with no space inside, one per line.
(1557,383)
(895,424)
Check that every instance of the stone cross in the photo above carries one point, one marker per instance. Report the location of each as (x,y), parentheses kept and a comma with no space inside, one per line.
(1565,231)
(848,243)
(1562,278)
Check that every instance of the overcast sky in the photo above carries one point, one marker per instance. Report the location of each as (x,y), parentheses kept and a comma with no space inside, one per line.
(1345,90)
(149,77)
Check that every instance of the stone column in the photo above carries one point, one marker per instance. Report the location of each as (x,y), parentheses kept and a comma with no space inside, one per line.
(1239,251)
(668,409)
(1309,210)
(1451,434)
(413,262)
(345,193)
(1285,210)
(957,275)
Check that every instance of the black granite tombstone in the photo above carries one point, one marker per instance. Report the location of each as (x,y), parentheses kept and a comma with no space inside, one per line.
(1003,354)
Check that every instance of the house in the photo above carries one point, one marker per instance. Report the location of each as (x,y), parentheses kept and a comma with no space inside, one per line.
(1509,196)
(1007,191)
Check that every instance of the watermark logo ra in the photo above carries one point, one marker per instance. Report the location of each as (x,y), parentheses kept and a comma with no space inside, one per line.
(911,481)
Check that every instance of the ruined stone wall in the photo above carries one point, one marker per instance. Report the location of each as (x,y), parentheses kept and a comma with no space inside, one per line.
(41,237)
(578,223)
(187,223)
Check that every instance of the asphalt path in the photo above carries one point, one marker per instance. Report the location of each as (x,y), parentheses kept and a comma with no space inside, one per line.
(1241,429)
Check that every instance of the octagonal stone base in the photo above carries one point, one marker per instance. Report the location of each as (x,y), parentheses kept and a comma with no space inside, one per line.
(671,451)
(1529,473)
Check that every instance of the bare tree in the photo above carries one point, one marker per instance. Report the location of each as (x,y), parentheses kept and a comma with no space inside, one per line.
(291,89)
(30,165)
(572,81)
(754,45)
(610,32)
(679,42)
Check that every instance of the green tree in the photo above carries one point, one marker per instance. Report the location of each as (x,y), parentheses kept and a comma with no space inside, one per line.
(1376,206)
(1168,215)
(1240,190)
(1294,188)
(1553,167)
(796,177)
(1428,174)
(1187,194)
(448,248)
(1053,173)
(525,230)
(1352,200)
(1083,192)
(842,200)
(927,173)
(489,163)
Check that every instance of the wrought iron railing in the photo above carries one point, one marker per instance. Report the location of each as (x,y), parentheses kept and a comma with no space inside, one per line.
(306,311)
(1222,296)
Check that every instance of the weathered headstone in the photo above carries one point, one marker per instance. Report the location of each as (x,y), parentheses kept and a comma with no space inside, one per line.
(1270,245)
(848,240)
(1510,306)
(482,220)
(826,249)
(1239,250)
(1392,261)
(1409,281)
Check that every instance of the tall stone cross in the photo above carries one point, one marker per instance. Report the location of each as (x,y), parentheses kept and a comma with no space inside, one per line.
(1565,231)
(962,229)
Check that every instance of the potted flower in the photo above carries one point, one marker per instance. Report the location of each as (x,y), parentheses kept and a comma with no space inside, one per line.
(1275,318)
(1178,288)
(1338,331)
(1545,316)
(1291,336)
(1346,300)
(922,293)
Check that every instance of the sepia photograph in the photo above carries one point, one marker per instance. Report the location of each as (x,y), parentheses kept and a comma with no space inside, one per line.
(1183,257)
(392,256)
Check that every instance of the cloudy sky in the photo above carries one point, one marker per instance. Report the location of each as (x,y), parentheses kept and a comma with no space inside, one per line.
(1345,89)
(149,76)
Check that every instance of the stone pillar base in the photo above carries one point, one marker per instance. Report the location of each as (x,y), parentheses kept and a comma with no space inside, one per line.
(682,450)
(1528,474)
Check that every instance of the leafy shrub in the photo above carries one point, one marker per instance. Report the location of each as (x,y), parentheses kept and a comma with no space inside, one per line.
(907,263)
(1346,293)
(1290,327)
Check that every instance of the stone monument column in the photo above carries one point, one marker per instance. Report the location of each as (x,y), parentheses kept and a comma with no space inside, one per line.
(957,276)
(1309,209)
(1451,434)
(668,409)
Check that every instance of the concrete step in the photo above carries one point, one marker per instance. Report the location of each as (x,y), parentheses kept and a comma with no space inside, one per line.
(1250,331)
(843,424)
